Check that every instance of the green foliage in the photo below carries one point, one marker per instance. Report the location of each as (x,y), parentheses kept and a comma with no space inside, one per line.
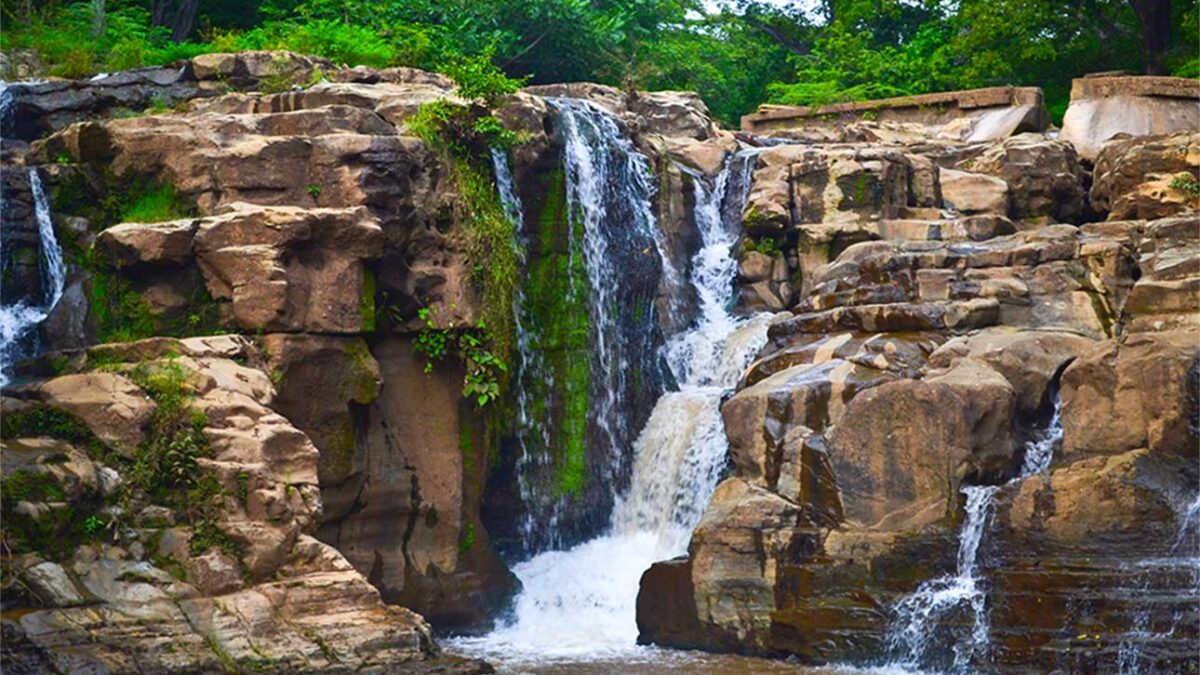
(486,371)
(79,39)
(42,421)
(1187,184)
(343,43)
(767,246)
(32,486)
(480,80)
(165,465)
(464,137)
(468,538)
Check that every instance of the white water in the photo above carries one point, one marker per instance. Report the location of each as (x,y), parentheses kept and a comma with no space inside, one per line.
(915,628)
(1184,552)
(19,319)
(579,604)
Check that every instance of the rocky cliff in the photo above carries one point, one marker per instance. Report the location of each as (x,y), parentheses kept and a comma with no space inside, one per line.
(950,302)
(235,450)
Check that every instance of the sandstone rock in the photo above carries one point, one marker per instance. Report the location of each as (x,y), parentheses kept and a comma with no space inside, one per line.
(1133,175)
(672,113)
(1044,177)
(50,584)
(286,268)
(757,419)
(322,381)
(911,444)
(214,573)
(1150,382)
(1029,360)
(112,407)
(744,531)
(1165,295)
(973,192)
(1101,527)
(165,244)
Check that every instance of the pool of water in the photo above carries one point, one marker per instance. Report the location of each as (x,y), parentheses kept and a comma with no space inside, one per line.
(644,661)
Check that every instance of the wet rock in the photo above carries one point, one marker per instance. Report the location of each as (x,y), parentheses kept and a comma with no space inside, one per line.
(910,446)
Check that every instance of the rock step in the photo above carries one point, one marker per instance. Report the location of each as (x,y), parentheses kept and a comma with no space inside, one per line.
(897,317)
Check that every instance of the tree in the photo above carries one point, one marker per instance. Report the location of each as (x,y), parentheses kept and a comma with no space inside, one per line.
(1154,17)
(179,16)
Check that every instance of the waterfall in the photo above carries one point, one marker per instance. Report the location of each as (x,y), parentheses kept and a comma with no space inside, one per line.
(580,603)
(18,320)
(917,617)
(576,429)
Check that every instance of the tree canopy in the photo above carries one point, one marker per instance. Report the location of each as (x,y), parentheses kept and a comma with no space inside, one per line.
(736,53)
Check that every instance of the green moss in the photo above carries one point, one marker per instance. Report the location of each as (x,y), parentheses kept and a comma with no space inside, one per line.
(557,303)
(360,384)
(119,313)
(156,204)
(463,139)
(24,485)
(467,540)
(366,301)
(49,422)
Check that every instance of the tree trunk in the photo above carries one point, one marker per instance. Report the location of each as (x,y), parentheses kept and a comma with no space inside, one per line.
(1154,17)
(178,15)
(185,19)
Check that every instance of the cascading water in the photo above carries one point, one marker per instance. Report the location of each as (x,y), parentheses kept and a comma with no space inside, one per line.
(1182,562)
(18,320)
(915,627)
(575,429)
(580,603)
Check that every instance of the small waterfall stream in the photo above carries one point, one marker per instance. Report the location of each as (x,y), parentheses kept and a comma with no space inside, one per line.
(18,320)
(579,604)
(915,627)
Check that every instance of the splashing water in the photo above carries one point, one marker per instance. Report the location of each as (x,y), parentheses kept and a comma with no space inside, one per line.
(17,321)
(914,629)
(580,603)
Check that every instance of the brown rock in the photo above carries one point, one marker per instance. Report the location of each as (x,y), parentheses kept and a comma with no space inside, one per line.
(1132,176)
(1028,360)
(900,462)
(1141,392)
(974,192)
(1044,177)
(111,406)
(286,268)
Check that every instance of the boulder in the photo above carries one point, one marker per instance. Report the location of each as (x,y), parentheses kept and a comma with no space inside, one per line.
(290,269)
(1133,177)
(1030,360)
(911,444)
(111,406)
(1044,177)
(814,396)
(968,192)
(1150,382)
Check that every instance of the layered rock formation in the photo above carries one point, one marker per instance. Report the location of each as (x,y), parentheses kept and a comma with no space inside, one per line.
(138,569)
(954,297)
(313,222)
